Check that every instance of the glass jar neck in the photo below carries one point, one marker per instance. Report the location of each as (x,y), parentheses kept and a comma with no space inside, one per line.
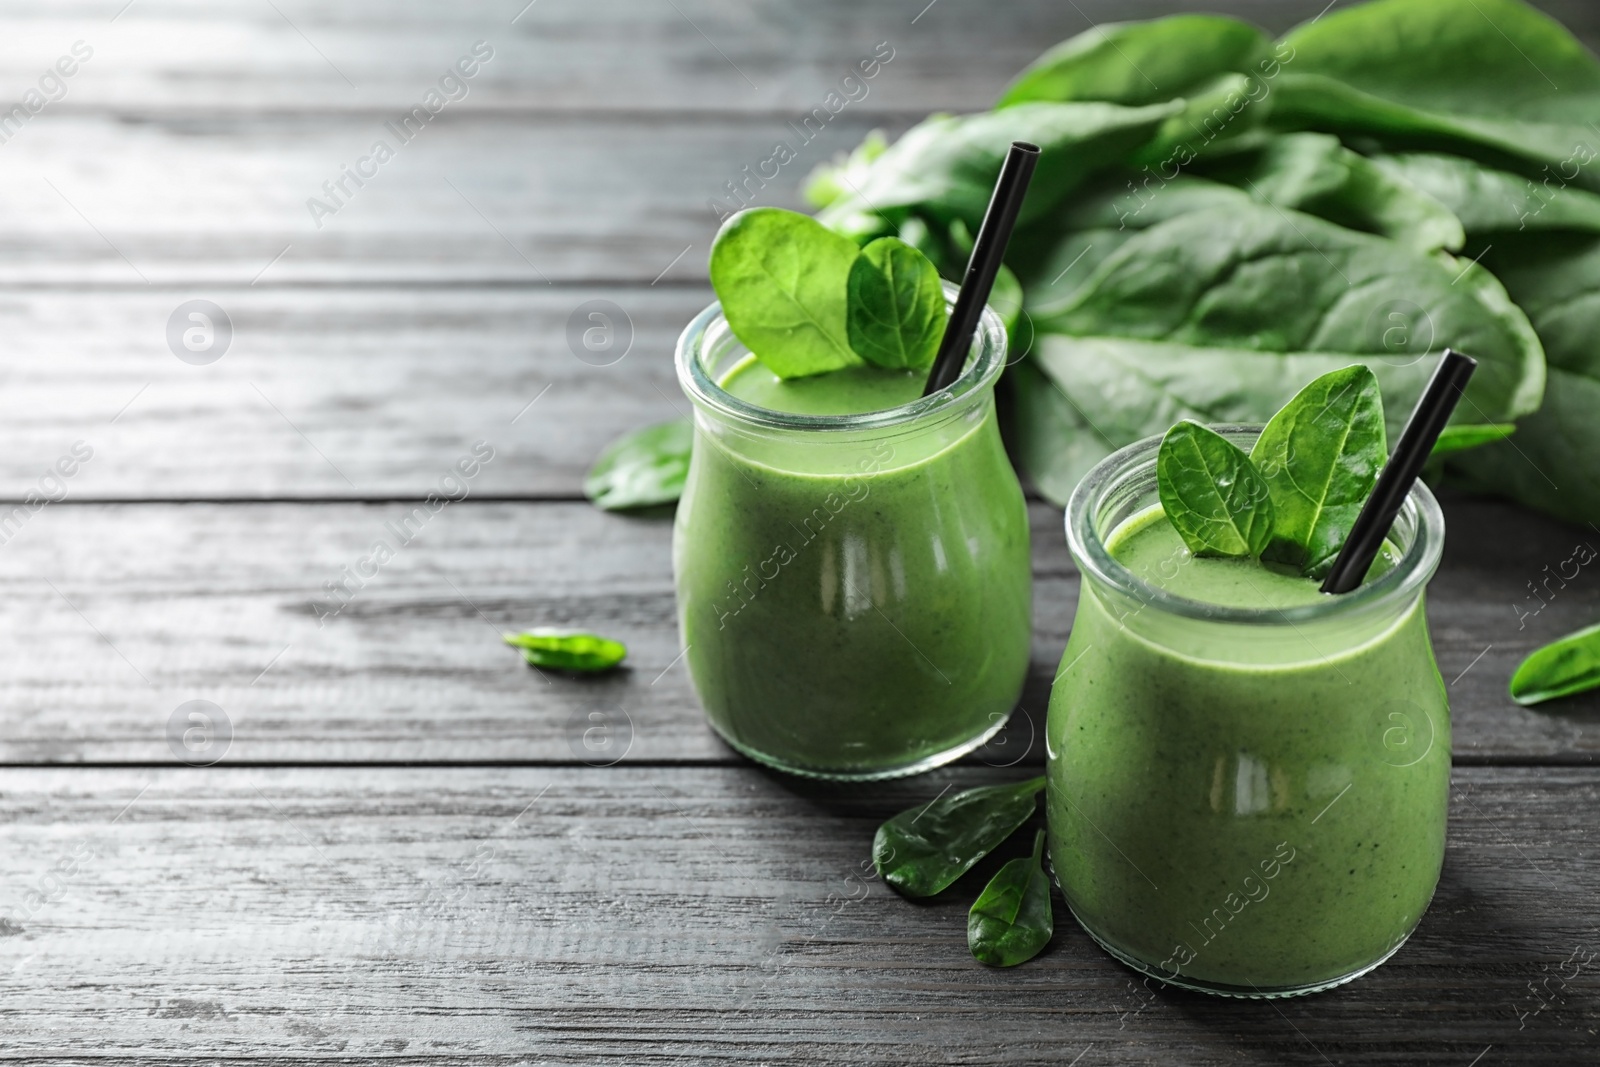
(832,444)
(1124,485)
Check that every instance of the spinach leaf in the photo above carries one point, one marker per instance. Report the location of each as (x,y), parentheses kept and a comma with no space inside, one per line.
(1136,63)
(1487,200)
(1453,439)
(782,278)
(1010,922)
(838,178)
(1561,668)
(1055,445)
(1553,462)
(567,650)
(643,468)
(1320,456)
(1495,73)
(924,849)
(897,313)
(945,167)
(1220,315)
(1314,173)
(1212,494)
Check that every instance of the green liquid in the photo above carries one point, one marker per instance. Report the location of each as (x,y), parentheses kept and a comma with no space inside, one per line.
(1244,809)
(848,391)
(853,609)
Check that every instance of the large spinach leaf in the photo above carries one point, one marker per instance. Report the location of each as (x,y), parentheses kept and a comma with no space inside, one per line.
(945,167)
(1136,63)
(1217,65)
(1494,73)
(1487,200)
(1316,174)
(1307,172)
(1553,461)
(1222,315)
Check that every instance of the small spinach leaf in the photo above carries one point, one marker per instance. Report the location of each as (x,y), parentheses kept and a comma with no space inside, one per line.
(1011,921)
(1320,456)
(1212,494)
(782,279)
(924,849)
(1561,668)
(567,650)
(897,312)
(643,468)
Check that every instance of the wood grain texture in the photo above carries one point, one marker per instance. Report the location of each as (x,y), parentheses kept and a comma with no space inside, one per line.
(560,915)
(208,56)
(518,200)
(116,615)
(353,394)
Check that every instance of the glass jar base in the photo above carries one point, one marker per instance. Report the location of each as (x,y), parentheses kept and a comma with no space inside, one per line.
(1244,992)
(875,774)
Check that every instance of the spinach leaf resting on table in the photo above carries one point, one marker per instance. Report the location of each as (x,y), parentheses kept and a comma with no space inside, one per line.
(1561,668)
(923,850)
(567,650)
(1010,922)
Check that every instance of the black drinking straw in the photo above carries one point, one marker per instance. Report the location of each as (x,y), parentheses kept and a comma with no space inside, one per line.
(987,251)
(1400,473)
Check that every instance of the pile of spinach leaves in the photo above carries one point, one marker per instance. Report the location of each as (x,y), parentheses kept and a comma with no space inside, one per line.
(1219,217)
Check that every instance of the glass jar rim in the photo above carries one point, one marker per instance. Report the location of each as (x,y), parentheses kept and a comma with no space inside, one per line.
(1402,581)
(982,369)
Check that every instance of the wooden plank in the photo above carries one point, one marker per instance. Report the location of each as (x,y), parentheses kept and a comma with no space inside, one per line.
(636,55)
(224,203)
(117,615)
(350,393)
(660,916)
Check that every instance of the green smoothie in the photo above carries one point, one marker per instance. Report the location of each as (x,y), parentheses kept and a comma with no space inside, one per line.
(853,603)
(849,391)
(1246,808)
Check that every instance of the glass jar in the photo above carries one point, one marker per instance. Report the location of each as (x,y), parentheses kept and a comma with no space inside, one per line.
(1247,802)
(854,591)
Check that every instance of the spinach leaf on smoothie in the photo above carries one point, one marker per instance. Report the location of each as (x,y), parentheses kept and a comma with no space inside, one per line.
(1561,668)
(1010,921)
(896,314)
(782,278)
(1320,456)
(567,650)
(923,850)
(1212,494)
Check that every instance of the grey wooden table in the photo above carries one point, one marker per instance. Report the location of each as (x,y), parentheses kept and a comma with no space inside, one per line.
(403,851)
